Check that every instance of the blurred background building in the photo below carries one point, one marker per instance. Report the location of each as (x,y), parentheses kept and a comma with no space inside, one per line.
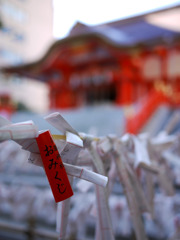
(132,62)
(26,32)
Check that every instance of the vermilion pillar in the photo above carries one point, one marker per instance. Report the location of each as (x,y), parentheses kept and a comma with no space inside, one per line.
(124,92)
(124,83)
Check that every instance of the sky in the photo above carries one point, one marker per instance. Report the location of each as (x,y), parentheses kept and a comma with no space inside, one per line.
(68,12)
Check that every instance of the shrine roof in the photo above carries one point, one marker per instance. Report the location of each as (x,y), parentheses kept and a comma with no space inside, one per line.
(145,30)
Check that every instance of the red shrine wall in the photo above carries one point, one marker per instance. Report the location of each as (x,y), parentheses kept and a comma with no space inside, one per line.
(129,79)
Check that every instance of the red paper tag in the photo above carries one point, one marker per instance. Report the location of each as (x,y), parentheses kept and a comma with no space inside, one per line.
(54,167)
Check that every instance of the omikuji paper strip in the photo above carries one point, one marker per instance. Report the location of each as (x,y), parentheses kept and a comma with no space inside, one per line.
(54,167)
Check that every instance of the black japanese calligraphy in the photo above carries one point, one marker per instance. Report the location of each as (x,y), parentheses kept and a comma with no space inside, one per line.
(61,185)
(48,150)
(52,163)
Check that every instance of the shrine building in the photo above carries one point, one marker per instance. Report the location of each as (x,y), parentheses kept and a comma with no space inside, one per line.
(122,62)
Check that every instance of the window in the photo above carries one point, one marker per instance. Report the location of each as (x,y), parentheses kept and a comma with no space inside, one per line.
(13,12)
